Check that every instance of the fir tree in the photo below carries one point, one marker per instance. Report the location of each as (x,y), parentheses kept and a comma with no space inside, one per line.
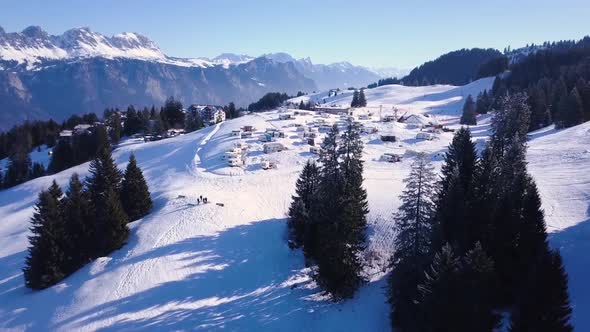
(412,244)
(112,231)
(571,110)
(439,297)
(108,215)
(455,198)
(46,260)
(135,194)
(545,307)
(469,112)
(78,225)
(455,294)
(362,100)
(341,231)
(300,212)
(355,99)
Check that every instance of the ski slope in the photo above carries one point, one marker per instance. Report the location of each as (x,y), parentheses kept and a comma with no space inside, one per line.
(207,267)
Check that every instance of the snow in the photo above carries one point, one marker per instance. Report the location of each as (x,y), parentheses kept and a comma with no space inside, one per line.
(207,267)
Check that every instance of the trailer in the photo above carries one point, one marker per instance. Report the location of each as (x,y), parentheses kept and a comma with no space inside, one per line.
(273,147)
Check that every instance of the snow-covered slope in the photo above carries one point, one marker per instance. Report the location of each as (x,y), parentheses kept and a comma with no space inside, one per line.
(559,160)
(207,267)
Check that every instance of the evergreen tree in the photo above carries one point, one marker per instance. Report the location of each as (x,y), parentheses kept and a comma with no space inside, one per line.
(108,215)
(355,99)
(540,112)
(114,121)
(132,122)
(545,307)
(300,212)
(46,260)
(439,295)
(19,169)
(571,110)
(455,198)
(412,244)
(112,230)
(341,231)
(362,100)
(455,294)
(78,225)
(469,112)
(135,194)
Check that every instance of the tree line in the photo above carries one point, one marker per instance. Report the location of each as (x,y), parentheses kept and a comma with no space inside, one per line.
(269,101)
(88,221)
(17,143)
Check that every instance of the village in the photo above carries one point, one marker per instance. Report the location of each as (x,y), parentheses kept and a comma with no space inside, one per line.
(392,134)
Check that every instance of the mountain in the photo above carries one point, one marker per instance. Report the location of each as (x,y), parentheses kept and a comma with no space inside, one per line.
(80,71)
(335,75)
(456,68)
(61,89)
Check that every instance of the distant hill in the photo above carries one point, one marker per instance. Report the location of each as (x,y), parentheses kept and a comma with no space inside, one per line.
(455,68)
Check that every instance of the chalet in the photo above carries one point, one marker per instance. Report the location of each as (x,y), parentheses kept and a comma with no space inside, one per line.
(419,121)
(236,132)
(285,116)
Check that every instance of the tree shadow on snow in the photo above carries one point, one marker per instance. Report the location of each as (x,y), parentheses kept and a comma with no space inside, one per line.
(244,282)
(574,245)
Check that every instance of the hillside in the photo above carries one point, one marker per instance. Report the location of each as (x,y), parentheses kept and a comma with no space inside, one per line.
(208,267)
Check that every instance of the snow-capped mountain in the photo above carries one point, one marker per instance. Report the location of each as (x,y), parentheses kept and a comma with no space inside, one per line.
(33,46)
(54,76)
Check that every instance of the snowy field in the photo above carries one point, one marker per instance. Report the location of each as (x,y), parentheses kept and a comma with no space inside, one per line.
(208,267)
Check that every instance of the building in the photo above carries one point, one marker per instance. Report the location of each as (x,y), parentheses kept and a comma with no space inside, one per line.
(273,147)
(332,109)
(419,121)
(208,113)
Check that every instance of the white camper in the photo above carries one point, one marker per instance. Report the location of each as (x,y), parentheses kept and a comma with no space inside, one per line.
(273,147)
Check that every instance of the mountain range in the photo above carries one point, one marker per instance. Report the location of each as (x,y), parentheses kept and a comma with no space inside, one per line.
(54,76)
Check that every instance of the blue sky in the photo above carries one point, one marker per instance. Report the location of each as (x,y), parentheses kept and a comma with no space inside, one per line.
(370,32)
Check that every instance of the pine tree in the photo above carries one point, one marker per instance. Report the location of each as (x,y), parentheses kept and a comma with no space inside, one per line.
(469,112)
(112,230)
(412,245)
(78,225)
(439,298)
(135,194)
(362,100)
(571,110)
(355,99)
(108,216)
(545,307)
(302,205)
(46,260)
(456,196)
(342,227)
(103,175)
(478,291)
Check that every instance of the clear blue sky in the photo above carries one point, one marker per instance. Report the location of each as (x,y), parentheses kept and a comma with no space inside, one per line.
(370,32)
